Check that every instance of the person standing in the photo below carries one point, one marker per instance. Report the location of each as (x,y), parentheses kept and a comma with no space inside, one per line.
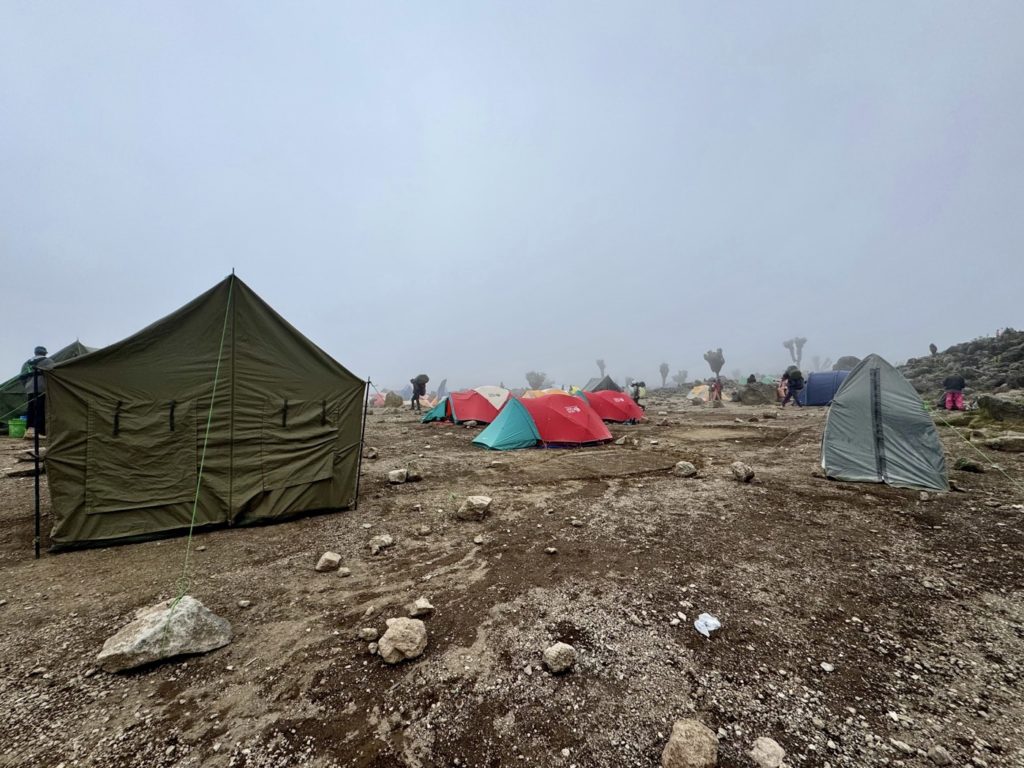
(34,382)
(419,389)
(794,381)
(954,386)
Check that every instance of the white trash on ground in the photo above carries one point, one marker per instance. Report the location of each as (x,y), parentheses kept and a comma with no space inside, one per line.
(706,624)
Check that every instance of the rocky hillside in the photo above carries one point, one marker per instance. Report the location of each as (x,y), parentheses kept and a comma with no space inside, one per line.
(989,364)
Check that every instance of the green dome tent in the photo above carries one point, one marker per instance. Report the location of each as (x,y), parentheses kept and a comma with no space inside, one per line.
(877,431)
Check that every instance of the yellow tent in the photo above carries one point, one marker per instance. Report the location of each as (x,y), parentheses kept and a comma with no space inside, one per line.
(541,392)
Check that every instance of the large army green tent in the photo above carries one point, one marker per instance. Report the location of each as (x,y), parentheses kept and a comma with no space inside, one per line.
(878,431)
(13,403)
(128,425)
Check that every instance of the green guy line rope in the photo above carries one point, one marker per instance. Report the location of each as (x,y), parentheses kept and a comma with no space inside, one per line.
(183,581)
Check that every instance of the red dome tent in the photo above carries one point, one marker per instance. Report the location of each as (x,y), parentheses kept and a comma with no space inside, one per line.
(562,419)
(550,420)
(614,406)
(463,406)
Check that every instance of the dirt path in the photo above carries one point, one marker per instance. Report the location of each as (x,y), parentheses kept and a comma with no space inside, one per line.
(916,603)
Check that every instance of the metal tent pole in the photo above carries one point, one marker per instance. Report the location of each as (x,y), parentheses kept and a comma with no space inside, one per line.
(35,440)
(362,438)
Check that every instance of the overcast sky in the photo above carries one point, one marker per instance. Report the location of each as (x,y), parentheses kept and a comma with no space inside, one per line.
(478,189)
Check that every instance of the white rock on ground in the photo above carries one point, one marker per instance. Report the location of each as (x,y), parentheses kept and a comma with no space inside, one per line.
(369,634)
(741,471)
(160,632)
(691,745)
(329,561)
(413,474)
(684,469)
(404,639)
(420,608)
(398,476)
(939,755)
(474,508)
(767,753)
(559,658)
(344,572)
(383,541)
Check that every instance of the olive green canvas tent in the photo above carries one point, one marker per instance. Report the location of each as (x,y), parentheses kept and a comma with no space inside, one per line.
(279,422)
(877,431)
(13,403)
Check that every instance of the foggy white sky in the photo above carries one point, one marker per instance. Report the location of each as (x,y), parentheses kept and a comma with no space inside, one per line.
(474,190)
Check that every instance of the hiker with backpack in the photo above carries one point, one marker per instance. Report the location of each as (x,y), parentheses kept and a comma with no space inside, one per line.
(419,389)
(954,387)
(794,381)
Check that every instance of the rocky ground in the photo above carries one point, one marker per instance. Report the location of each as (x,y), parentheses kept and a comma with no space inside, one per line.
(992,364)
(861,625)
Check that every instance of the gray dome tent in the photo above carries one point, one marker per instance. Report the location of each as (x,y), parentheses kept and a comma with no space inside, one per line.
(878,431)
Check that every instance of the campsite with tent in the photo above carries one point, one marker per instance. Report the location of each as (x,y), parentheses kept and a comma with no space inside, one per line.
(511,385)
(821,540)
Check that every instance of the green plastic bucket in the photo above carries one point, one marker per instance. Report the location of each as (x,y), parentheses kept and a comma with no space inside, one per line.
(16,427)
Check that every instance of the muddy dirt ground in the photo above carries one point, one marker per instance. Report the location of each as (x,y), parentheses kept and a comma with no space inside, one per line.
(916,602)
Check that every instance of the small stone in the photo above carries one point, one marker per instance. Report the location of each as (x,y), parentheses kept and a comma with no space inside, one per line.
(371,453)
(403,639)
(245,603)
(344,572)
(474,508)
(576,523)
(684,469)
(413,474)
(559,658)
(903,747)
(383,541)
(767,753)
(372,648)
(741,471)
(621,441)
(939,755)
(471,424)
(550,551)
(420,608)
(423,530)
(398,476)
(478,540)
(826,667)
(368,634)
(329,561)
(691,745)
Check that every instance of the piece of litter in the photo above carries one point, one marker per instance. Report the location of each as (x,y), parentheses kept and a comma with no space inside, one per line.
(706,624)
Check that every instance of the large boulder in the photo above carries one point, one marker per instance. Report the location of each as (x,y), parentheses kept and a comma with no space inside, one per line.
(163,631)
(404,639)
(691,745)
(757,394)
(1003,408)
(393,400)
